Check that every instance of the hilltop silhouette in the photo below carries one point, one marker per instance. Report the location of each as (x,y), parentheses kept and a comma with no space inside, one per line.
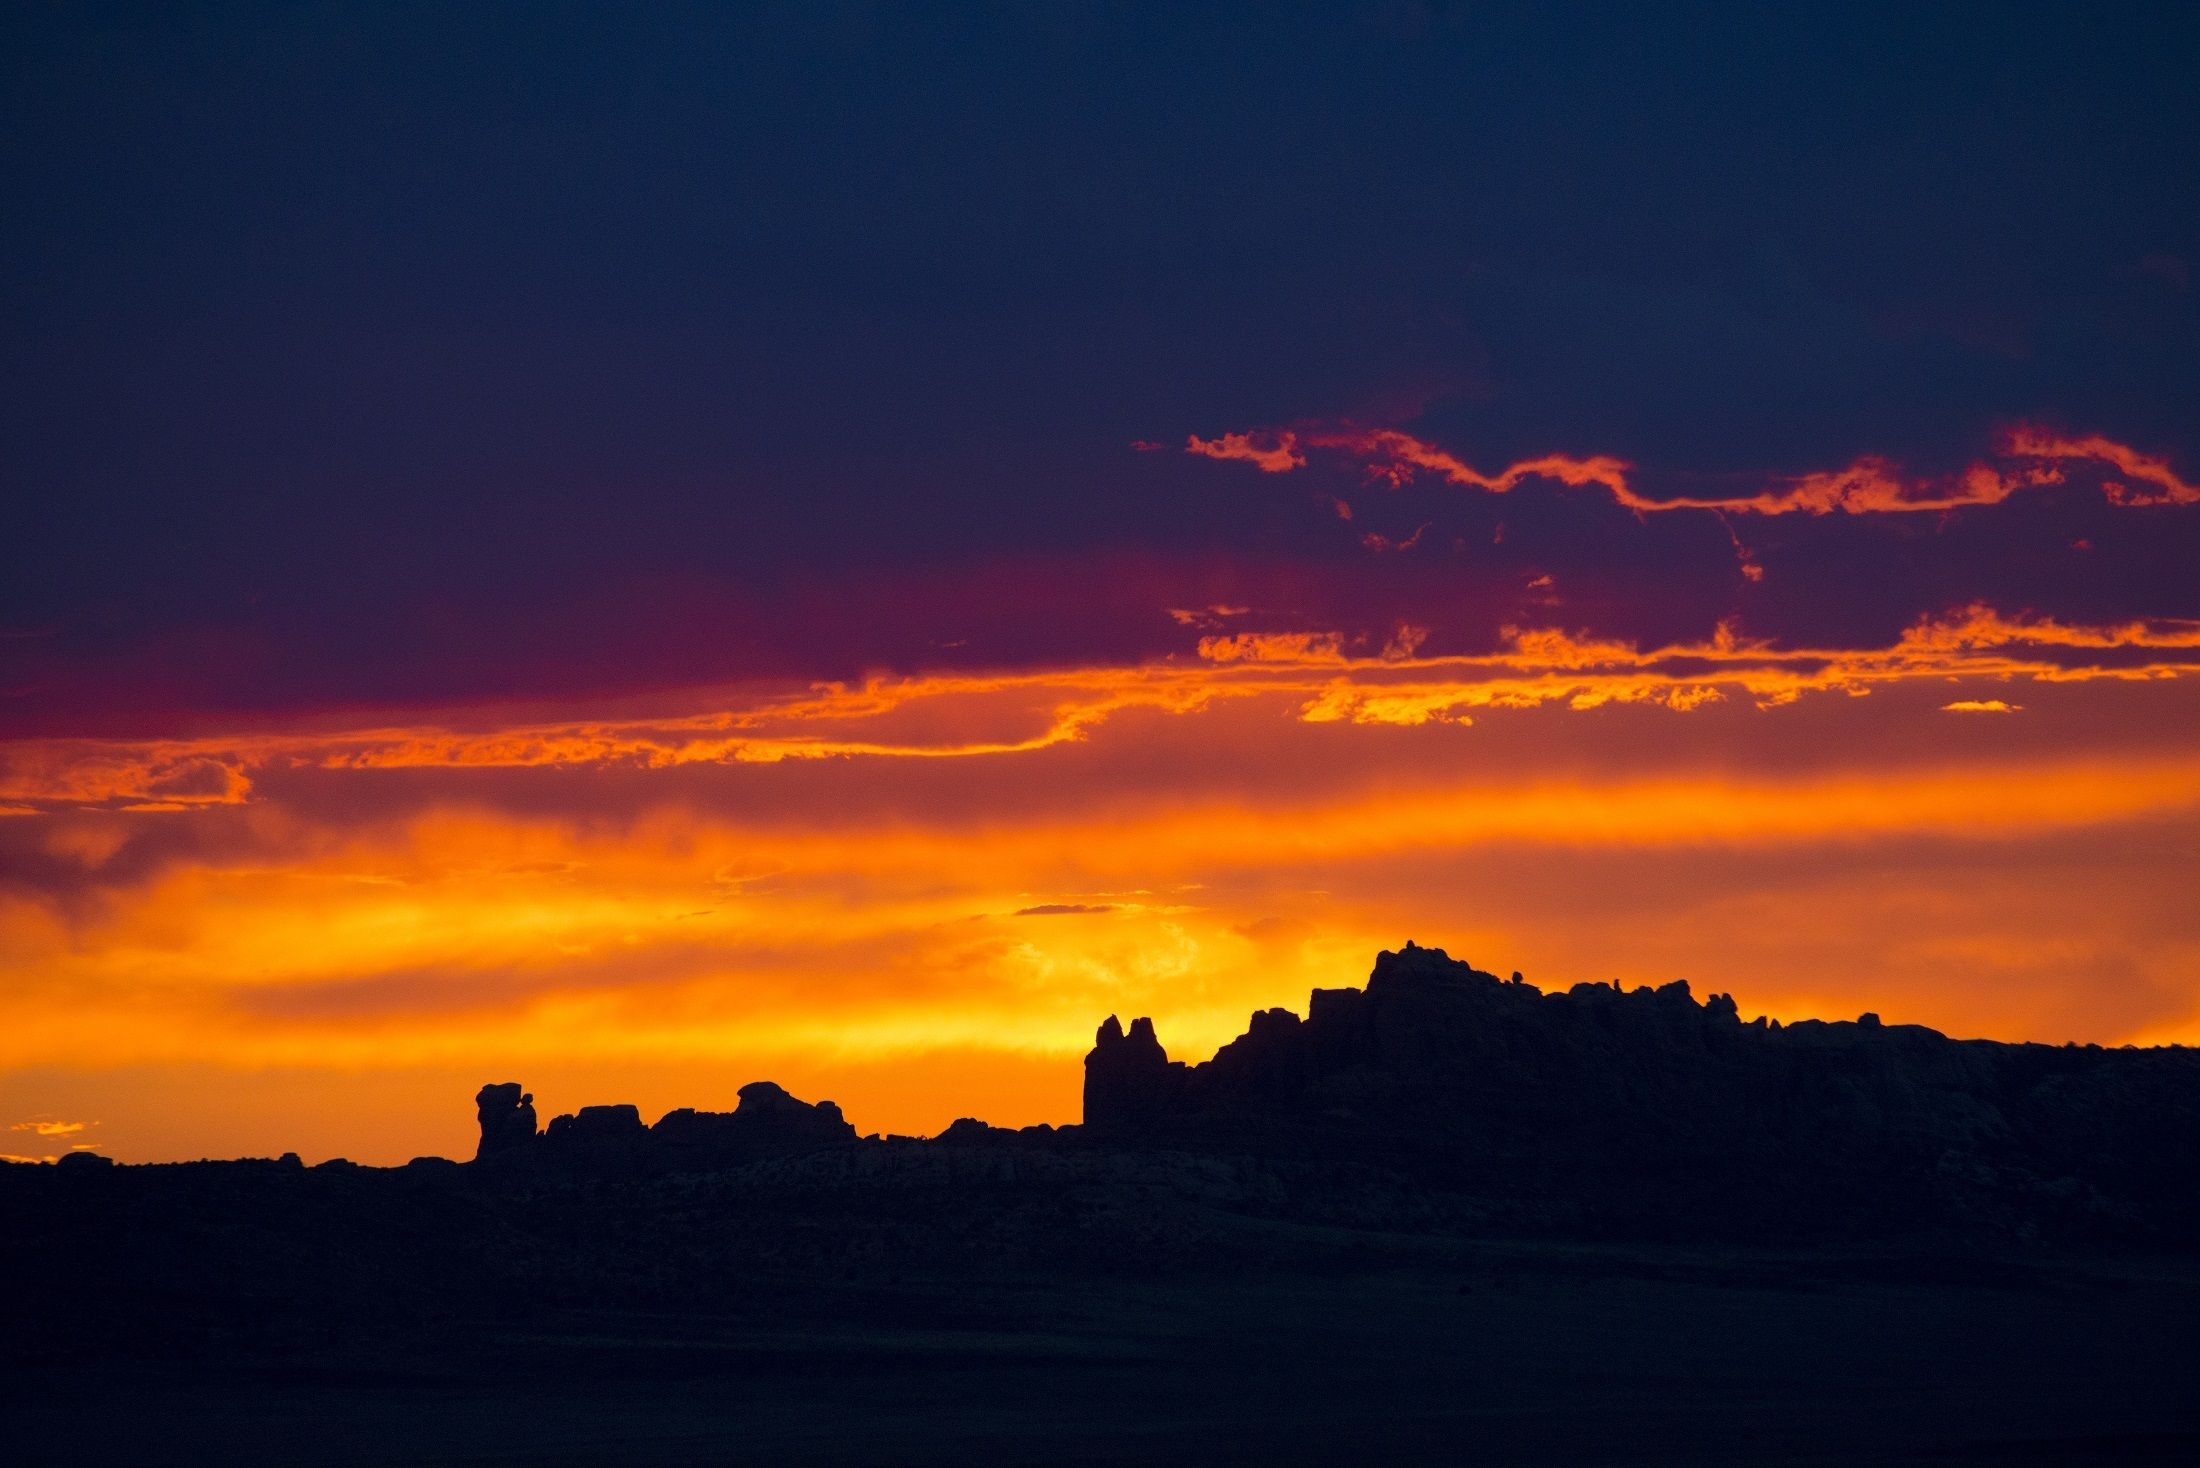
(1436,1141)
(1650,1105)
(1593,1109)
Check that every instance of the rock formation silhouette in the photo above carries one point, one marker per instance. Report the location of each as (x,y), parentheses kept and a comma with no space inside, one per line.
(507,1116)
(1440,1095)
(1130,1082)
(766,1122)
(1650,1106)
(1593,1109)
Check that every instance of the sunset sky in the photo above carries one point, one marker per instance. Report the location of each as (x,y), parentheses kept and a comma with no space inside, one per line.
(639,550)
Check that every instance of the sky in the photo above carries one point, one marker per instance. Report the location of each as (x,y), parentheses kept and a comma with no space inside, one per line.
(636,549)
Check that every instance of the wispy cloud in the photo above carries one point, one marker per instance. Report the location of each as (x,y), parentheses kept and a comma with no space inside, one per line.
(1271,453)
(50,1129)
(2026,458)
(2166,487)
(1384,676)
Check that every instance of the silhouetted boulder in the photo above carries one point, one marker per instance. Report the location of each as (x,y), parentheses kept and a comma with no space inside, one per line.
(767,1122)
(613,1126)
(507,1116)
(1129,1080)
(612,1141)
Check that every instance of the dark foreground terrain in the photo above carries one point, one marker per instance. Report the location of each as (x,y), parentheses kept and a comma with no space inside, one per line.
(1443,1219)
(1503,1354)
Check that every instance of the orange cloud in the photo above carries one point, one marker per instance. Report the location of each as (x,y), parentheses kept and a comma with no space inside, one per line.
(1271,453)
(1385,678)
(162,775)
(1870,485)
(1293,648)
(1979,627)
(2168,488)
(1980,706)
(1396,456)
(1213,616)
(49,1128)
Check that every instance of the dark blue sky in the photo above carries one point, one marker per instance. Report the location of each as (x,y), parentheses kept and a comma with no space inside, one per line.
(449,352)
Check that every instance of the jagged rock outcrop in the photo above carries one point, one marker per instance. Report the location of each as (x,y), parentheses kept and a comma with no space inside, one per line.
(1444,1091)
(507,1116)
(612,1140)
(606,1139)
(767,1122)
(1129,1079)
(968,1131)
(1647,1101)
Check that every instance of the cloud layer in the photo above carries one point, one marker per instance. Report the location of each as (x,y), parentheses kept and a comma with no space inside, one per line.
(863,884)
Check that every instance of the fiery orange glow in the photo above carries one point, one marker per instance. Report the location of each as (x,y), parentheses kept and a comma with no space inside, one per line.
(873,889)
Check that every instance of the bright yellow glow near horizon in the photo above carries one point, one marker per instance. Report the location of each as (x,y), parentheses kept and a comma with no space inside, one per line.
(323,946)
